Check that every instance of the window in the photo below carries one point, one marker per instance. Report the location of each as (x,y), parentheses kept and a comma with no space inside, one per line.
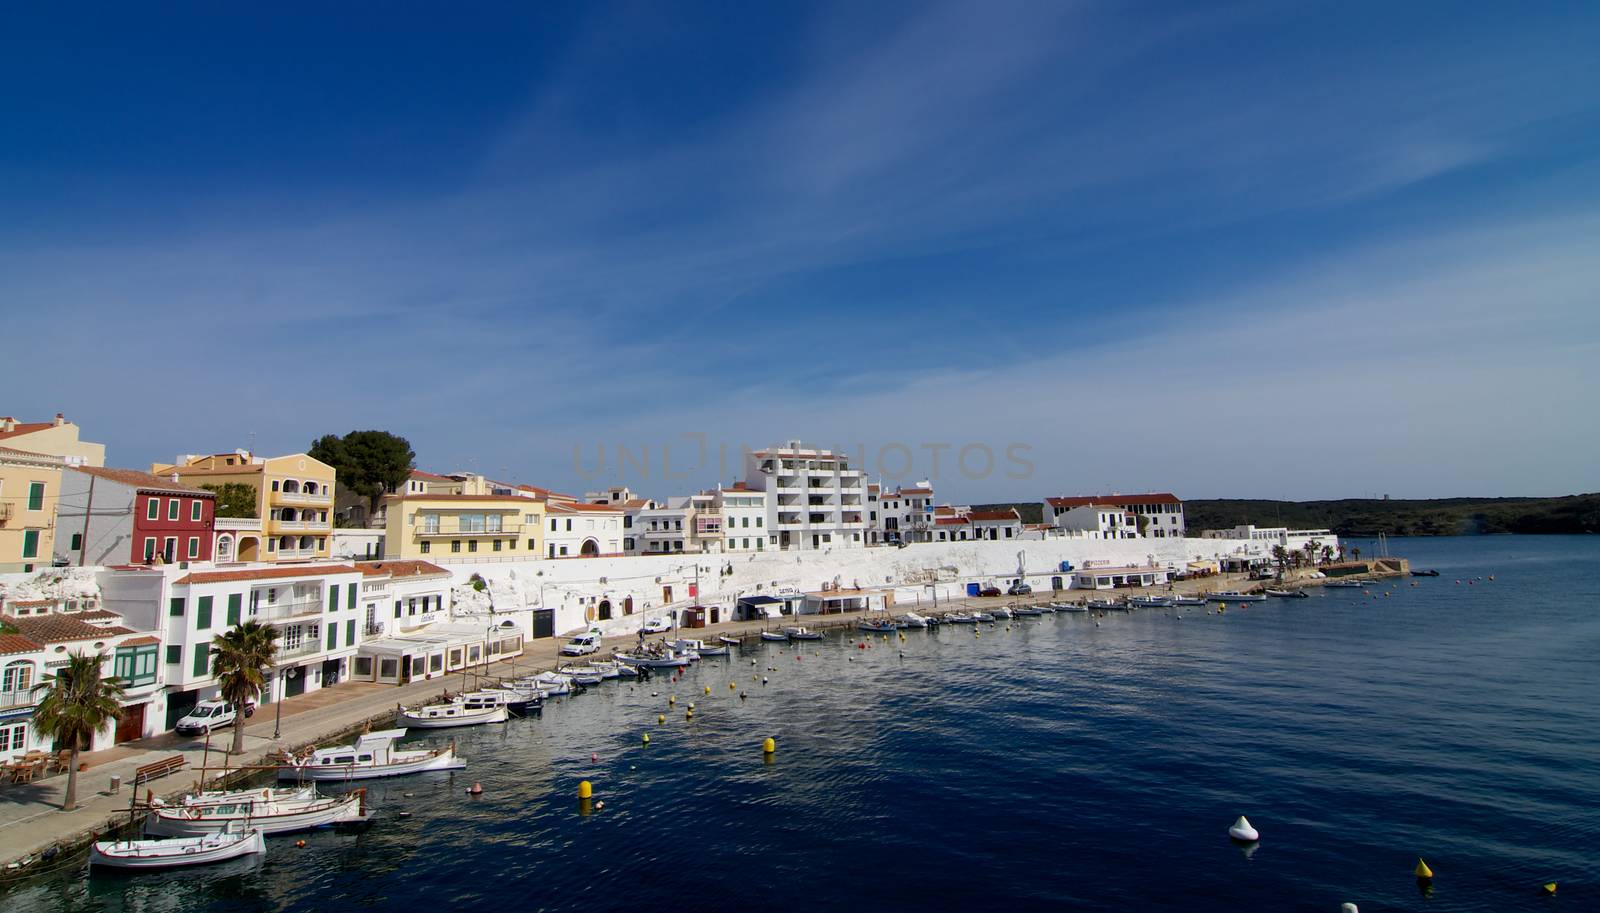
(77,541)
(333,637)
(175,607)
(169,548)
(350,600)
(202,661)
(172,508)
(30,543)
(195,509)
(552,524)
(202,613)
(427,547)
(349,632)
(397,608)
(497,545)
(472,545)
(13,739)
(758,521)
(18,678)
(36,496)
(135,666)
(194,546)
(233,609)
(333,597)
(174,655)
(455,545)
(149,549)
(533,546)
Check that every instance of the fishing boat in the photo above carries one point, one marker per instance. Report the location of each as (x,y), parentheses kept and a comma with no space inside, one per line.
(518,700)
(1150,602)
(585,675)
(728,641)
(1345,584)
(462,710)
(802,633)
(1236,596)
(269,810)
(877,627)
(658,659)
(1003,612)
(1289,594)
(698,647)
(774,635)
(610,668)
(373,755)
(180,851)
(1427,573)
(1076,608)
(1027,611)
(913,620)
(1105,605)
(1188,600)
(982,616)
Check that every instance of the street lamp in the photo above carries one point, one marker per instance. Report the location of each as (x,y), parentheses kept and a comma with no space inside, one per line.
(277,713)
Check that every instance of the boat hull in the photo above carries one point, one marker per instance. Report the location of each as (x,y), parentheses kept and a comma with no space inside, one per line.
(419,719)
(143,855)
(444,759)
(178,821)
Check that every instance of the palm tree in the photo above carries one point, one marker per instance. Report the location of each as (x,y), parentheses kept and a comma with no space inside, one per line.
(1312,548)
(1280,557)
(1327,554)
(240,659)
(80,703)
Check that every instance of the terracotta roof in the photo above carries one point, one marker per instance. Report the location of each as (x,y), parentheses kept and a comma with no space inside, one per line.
(14,453)
(546,493)
(993,515)
(517,498)
(400,568)
(1115,500)
(96,615)
(577,507)
(16,643)
(418,473)
(30,603)
(914,491)
(143,481)
(739,486)
(944,510)
(215,471)
(49,629)
(950,521)
(26,428)
(634,504)
(144,641)
(267,573)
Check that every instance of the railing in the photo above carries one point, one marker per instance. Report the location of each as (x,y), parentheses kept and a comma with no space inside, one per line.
(237,523)
(428,531)
(300,497)
(319,525)
(19,698)
(298,552)
(305,648)
(281,611)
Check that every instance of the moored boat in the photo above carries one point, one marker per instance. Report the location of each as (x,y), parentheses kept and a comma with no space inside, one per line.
(1188,600)
(373,755)
(912,620)
(983,616)
(1027,611)
(271,811)
(463,710)
(774,635)
(1427,573)
(1002,612)
(1105,605)
(960,618)
(179,851)
(658,659)
(698,647)
(802,633)
(1150,602)
(877,627)
(1289,594)
(1235,596)
(729,641)
(1345,584)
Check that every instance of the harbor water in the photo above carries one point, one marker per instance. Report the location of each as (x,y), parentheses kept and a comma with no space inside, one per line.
(1062,762)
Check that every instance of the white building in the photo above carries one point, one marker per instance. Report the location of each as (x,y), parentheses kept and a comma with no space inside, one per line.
(902,515)
(995,525)
(1098,521)
(1156,516)
(814,499)
(411,629)
(574,529)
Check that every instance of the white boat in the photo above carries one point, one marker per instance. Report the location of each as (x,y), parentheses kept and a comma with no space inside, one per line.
(1105,605)
(584,675)
(464,710)
(552,684)
(1236,596)
(180,851)
(1003,612)
(373,755)
(774,635)
(913,620)
(698,647)
(1345,584)
(610,668)
(1289,594)
(271,811)
(982,616)
(875,627)
(665,659)
(1046,608)
(960,618)
(1188,600)
(802,633)
(1150,602)
(1074,607)
(728,641)
(518,700)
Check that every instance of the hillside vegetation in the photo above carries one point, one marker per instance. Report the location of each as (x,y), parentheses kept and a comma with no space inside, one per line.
(1368,517)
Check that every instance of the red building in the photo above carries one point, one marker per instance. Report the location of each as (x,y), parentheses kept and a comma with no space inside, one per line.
(133,517)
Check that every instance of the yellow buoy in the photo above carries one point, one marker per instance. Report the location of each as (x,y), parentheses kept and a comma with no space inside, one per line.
(661,718)
(708,689)
(768,746)
(1422,870)
(672,700)
(647,738)
(585,790)
(732,686)
(1551,887)
(688,714)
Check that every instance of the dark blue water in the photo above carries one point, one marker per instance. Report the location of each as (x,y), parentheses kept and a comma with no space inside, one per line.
(1060,764)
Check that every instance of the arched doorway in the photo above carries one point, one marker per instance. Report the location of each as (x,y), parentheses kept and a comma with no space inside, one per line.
(627,605)
(605,610)
(249,546)
(590,549)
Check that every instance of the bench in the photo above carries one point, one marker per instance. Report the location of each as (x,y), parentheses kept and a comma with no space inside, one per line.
(157,769)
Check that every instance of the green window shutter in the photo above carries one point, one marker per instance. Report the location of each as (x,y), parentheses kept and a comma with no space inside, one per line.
(174,655)
(195,510)
(233,609)
(202,660)
(30,543)
(152,509)
(172,508)
(175,608)
(333,637)
(333,598)
(350,632)
(350,602)
(36,496)
(77,541)
(202,613)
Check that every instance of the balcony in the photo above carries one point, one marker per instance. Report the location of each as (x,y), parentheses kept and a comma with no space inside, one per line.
(19,698)
(284,611)
(441,530)
(299,497)
(237,523)
(306,647)
(314,526)
(288,554)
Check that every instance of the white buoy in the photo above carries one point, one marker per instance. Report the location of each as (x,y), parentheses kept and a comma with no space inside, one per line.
(1242,830)
(1348,908)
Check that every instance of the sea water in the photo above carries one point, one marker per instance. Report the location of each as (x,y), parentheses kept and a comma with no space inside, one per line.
(1064,762)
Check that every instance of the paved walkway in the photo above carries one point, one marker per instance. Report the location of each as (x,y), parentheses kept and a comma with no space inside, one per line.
(30,815)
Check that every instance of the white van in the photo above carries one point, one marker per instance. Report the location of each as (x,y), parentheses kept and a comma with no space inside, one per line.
(582,645)
(209,715)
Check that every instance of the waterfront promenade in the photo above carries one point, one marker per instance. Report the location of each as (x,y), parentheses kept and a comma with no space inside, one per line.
(31,820)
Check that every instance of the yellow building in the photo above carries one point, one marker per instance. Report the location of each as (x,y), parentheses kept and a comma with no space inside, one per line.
(57,437)
(30,487)
(294,500)
(462,527)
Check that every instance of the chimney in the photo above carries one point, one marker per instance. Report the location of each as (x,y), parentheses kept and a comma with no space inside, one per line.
(7,423)
(60,420)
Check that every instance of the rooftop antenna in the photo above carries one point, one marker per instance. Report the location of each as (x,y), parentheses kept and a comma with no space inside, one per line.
(252,448)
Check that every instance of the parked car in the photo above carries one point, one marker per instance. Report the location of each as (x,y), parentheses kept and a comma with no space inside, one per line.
(582,645)
(1020,589)
(209,715)
(989,591)
(656,626)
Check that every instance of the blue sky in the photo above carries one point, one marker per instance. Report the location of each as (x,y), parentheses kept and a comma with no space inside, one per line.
(1263,250)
